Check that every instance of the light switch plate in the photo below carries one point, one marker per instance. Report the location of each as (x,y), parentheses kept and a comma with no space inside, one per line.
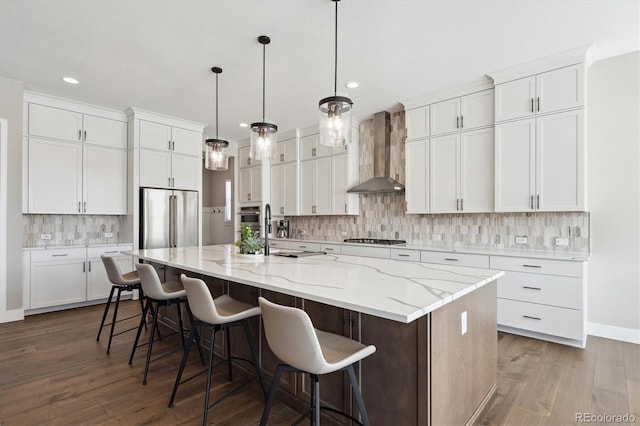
(522,240)
(45,236)
(562,241)
(463,323)
(108,234)
(436,237)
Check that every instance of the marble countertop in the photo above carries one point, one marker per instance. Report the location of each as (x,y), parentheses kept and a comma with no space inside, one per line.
(58,247)
(512,252)
(392,289)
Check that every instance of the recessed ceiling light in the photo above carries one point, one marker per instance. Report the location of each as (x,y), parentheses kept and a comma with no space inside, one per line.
(352,84)
(243,125)
(70,80)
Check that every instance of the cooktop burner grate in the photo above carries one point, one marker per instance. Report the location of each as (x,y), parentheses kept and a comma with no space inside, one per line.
(374,241)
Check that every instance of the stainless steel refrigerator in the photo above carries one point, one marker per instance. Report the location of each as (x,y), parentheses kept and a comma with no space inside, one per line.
(168,218)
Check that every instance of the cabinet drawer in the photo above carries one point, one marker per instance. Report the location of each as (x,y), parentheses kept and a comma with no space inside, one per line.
(379,252)
(537,266)
(459,259)
(331,248)
(553,290)
(108,250)
(278,244)
(399,254)
(560,322)
(304,246)
(58,254)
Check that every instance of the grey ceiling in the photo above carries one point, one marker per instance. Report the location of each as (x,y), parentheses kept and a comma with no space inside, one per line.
(157,55)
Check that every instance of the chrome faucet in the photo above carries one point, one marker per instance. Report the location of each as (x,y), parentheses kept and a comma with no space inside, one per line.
(267,228)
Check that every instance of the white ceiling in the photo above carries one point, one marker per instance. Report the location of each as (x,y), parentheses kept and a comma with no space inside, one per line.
(157,54)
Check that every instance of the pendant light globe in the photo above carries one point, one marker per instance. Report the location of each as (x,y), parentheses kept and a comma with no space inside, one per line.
(264,136)
(335,111)
(216,157)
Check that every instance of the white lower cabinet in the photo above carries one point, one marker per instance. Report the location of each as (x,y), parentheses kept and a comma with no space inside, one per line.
(542,298)
(59,277)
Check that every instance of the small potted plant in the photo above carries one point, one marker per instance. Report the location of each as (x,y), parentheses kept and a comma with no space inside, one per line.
(249,242)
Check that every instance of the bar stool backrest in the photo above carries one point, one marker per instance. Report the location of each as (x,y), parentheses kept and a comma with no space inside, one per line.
(201,301)
(112,268)
(291,336)
(151,285)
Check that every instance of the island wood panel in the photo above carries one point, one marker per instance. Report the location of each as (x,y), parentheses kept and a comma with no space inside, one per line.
(463,367)
(239,347)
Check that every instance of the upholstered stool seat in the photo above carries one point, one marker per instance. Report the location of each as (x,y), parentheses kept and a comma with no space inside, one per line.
(121,282)
(293,339)
(219,314)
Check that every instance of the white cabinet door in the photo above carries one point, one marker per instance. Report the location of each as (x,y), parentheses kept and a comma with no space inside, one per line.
(155,136)
(104,187)
(58,282)
(290,189)
(256,184)
(155,168)
(417,172)
(445,117)
(287,151)
(277,189)
(310,148)
(185,172)
(186,142)
(307,186)
(443,171)
(477,171)
(244,186)
(339,180)
(98,284)
(515,166)
(560,162)
(417,122)
(105,132)
(55,123)
(477,110)
(323,186)
(560,89)
(55,177)
(515,99)
(244,158)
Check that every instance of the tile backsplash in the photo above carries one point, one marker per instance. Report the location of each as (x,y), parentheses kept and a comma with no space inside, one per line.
(70,230)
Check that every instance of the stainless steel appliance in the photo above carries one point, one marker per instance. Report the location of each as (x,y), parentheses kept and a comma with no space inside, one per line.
(282,228)
(250,216)
(168,218)
(375,241)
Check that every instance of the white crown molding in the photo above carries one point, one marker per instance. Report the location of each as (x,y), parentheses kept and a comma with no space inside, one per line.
(449,93)
(81,107)
(575,56)
(137,113)
(612,332)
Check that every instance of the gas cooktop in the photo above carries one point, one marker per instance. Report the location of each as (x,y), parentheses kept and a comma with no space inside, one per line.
(374,241)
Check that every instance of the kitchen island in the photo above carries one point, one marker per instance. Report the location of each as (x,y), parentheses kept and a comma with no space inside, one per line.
(434,326)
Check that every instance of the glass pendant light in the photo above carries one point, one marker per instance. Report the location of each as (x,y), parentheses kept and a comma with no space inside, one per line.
(216,157)
(264,136)
(335,111)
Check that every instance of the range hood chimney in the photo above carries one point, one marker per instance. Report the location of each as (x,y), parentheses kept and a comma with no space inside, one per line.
(382,181)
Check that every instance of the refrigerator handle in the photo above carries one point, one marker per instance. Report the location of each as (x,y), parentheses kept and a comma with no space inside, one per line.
(171,220)
(174,223)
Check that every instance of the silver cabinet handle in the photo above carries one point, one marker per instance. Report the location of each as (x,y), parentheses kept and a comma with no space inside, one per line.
(457,204)
(538,101)
(533,318)
(173,145)
(169,147)
(531,104)
(451,259)
(79,210)
(461,204)
(249,196)
(281,157)
(531,288)
(85,206)
(531,202)
(84,268)
(313,152)
(173,182)
(328,249)
(302,246)
(59,255)
(89,266)
(112,251)
(403,255)
(532,266)
(538,201)
(462,121)
(457,122)
(85,135)
(79,135)
(345,207)
(282,210)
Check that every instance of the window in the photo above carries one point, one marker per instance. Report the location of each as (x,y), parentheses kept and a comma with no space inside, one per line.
(227,202)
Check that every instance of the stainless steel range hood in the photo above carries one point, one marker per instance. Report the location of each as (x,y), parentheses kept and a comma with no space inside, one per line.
(382,181)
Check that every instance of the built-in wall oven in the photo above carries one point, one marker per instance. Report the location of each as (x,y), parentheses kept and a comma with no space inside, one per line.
(250,216)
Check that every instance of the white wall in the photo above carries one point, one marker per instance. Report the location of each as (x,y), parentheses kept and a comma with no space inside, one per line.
(11,96)
(614,197)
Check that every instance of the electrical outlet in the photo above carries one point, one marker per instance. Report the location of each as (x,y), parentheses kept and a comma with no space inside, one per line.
(436,237)
(562,242)
(522,240)
(343,233)
(108,234)
(45,236)
(463,323)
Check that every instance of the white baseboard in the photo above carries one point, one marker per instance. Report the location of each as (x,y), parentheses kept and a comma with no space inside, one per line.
(612,332)
(12,315)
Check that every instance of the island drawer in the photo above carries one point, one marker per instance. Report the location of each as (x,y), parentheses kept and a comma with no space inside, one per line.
(58,254)
(304,246)
(562,322)
(278,244)
(538,266)
(400,254)
(458,259)
(553,290)
(331,248)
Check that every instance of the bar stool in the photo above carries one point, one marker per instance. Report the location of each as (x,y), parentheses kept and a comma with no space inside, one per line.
(304,349)
(121,282)
(160,294)
(219,314)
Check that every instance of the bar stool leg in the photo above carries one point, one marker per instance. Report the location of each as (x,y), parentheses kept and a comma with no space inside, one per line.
(141,299)
(113,321)
(272,395)
(143,321)
(209,368)
(315,403)
(106,310)
(358,395)
(180,323)
(227,333)
(183,363)
(254,357)
(154,324)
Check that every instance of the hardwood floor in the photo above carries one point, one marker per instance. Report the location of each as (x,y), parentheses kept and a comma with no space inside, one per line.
(52,371)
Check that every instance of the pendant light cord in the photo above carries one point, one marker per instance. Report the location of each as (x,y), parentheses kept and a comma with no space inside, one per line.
(335,59)
(217,106)
(263,78)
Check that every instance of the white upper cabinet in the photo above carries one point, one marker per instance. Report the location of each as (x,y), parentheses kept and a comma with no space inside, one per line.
(417,172)
(287,151)
(443,169)
(284,189)
(250,185)
(543,93)
(104,132)
(104,180)
(155,169)
(186,142)
(244,158)
(468,112)
(315,178)
(163,137)
(186,172)
(417,122)
(310,148)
